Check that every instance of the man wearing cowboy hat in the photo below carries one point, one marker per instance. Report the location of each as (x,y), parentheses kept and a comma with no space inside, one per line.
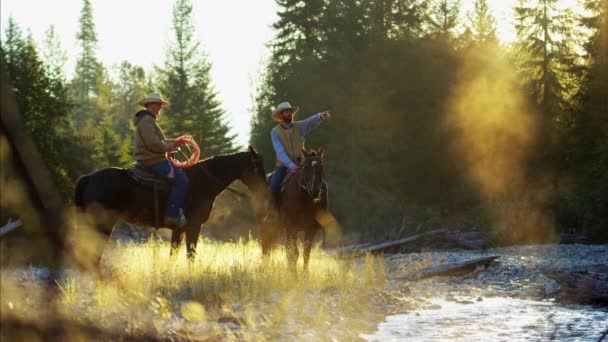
(288,141)
(150,148)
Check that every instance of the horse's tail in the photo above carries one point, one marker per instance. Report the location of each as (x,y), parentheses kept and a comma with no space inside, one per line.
(81,185)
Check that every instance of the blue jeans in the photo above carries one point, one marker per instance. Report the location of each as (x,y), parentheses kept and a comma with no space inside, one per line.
(277,179)
(179,189)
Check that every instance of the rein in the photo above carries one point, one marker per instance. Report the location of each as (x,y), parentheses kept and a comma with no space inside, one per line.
(304,187)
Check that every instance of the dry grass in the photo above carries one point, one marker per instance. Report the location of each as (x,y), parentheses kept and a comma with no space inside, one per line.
(229,292)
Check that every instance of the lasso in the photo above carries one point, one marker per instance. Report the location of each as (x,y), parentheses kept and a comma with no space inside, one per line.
(184,140)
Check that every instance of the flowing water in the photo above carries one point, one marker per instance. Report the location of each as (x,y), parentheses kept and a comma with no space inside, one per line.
(511,300)
(495,319)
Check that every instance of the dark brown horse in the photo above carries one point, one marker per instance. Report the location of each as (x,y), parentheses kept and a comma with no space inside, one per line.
(109,194)
(300,204)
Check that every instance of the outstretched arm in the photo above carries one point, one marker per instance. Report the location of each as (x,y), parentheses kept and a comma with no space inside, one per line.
(280,150)
(313,121)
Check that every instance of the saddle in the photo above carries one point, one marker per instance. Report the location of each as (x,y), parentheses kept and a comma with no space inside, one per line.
(285,180)
(144,177)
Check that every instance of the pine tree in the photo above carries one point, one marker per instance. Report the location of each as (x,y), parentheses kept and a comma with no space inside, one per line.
(186,83)
(298,28)
(596,75)
(546,50)
(43,104)
(442,18)
(130,85)
(587,154)
(88,69)
(482,25)
(53,54)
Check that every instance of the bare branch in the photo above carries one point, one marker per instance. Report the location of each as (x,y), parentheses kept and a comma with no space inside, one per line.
(9,227)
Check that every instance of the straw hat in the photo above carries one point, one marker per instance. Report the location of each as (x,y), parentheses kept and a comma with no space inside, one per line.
(281,107)
(153,98)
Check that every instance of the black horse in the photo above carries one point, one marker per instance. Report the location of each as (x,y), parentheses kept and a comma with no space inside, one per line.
(109,194)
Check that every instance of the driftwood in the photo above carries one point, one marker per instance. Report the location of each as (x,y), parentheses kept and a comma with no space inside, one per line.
(346,250)
(565,239)
(435,239)
(451,269)
(9,227)
(387,246)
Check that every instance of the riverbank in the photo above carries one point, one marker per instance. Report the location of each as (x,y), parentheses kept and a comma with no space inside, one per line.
(230,293)
(512,298)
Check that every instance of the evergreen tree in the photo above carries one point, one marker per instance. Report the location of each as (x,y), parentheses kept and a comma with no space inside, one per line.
(130,85)
(546,52)
(88,69)
(53,54)
(482,25)
(442,18)
(298,28)
(43,105)
(385,86)
(586,207)
(186,83)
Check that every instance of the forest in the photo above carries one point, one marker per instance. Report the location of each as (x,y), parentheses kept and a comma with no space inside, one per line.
(467,177)
(436,122)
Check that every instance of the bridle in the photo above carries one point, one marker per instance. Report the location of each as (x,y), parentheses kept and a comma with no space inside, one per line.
(314,161)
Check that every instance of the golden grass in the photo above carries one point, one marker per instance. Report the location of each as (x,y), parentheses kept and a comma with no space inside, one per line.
(229,292)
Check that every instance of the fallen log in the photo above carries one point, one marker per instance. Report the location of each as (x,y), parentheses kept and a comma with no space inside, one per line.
(383,247)
(565,239)
(352,249)
(9,227)
(451,269)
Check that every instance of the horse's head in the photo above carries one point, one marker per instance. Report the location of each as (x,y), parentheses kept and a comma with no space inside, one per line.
(312,172)
(253,176)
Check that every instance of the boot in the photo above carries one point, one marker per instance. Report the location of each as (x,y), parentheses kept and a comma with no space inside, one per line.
(175,221)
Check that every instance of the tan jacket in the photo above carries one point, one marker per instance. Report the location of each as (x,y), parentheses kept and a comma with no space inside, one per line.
(149,146)
(292,141)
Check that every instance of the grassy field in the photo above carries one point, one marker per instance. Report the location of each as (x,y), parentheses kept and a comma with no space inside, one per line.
(229,292)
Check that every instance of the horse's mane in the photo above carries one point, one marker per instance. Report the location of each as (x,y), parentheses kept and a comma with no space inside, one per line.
(227,162)
(232,158)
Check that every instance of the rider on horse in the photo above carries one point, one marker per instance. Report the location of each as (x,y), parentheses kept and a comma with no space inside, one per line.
(150,150)
(288,141)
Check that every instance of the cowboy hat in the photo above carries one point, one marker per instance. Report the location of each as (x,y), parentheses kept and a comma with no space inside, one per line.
(153,98)
(281,107)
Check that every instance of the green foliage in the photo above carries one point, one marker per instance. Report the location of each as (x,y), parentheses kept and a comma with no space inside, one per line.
(383,145)
(584,207)
(387,69)
(546,52)
(41,97)
(195,108)
(481,26)
(88,69)
(443,16)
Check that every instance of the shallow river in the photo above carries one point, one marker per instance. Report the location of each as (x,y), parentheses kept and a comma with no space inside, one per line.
(508,301)
(495,319)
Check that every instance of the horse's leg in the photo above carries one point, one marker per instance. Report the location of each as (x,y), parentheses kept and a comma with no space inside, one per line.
(309,234)
(177,236)
(192,234)
(98,245)
(292,249)
(270,236)
(94,236)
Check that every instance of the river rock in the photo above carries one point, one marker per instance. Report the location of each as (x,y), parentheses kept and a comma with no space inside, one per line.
(581,284)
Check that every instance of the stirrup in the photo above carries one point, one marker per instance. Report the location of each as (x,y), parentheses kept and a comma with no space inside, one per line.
(181,218)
